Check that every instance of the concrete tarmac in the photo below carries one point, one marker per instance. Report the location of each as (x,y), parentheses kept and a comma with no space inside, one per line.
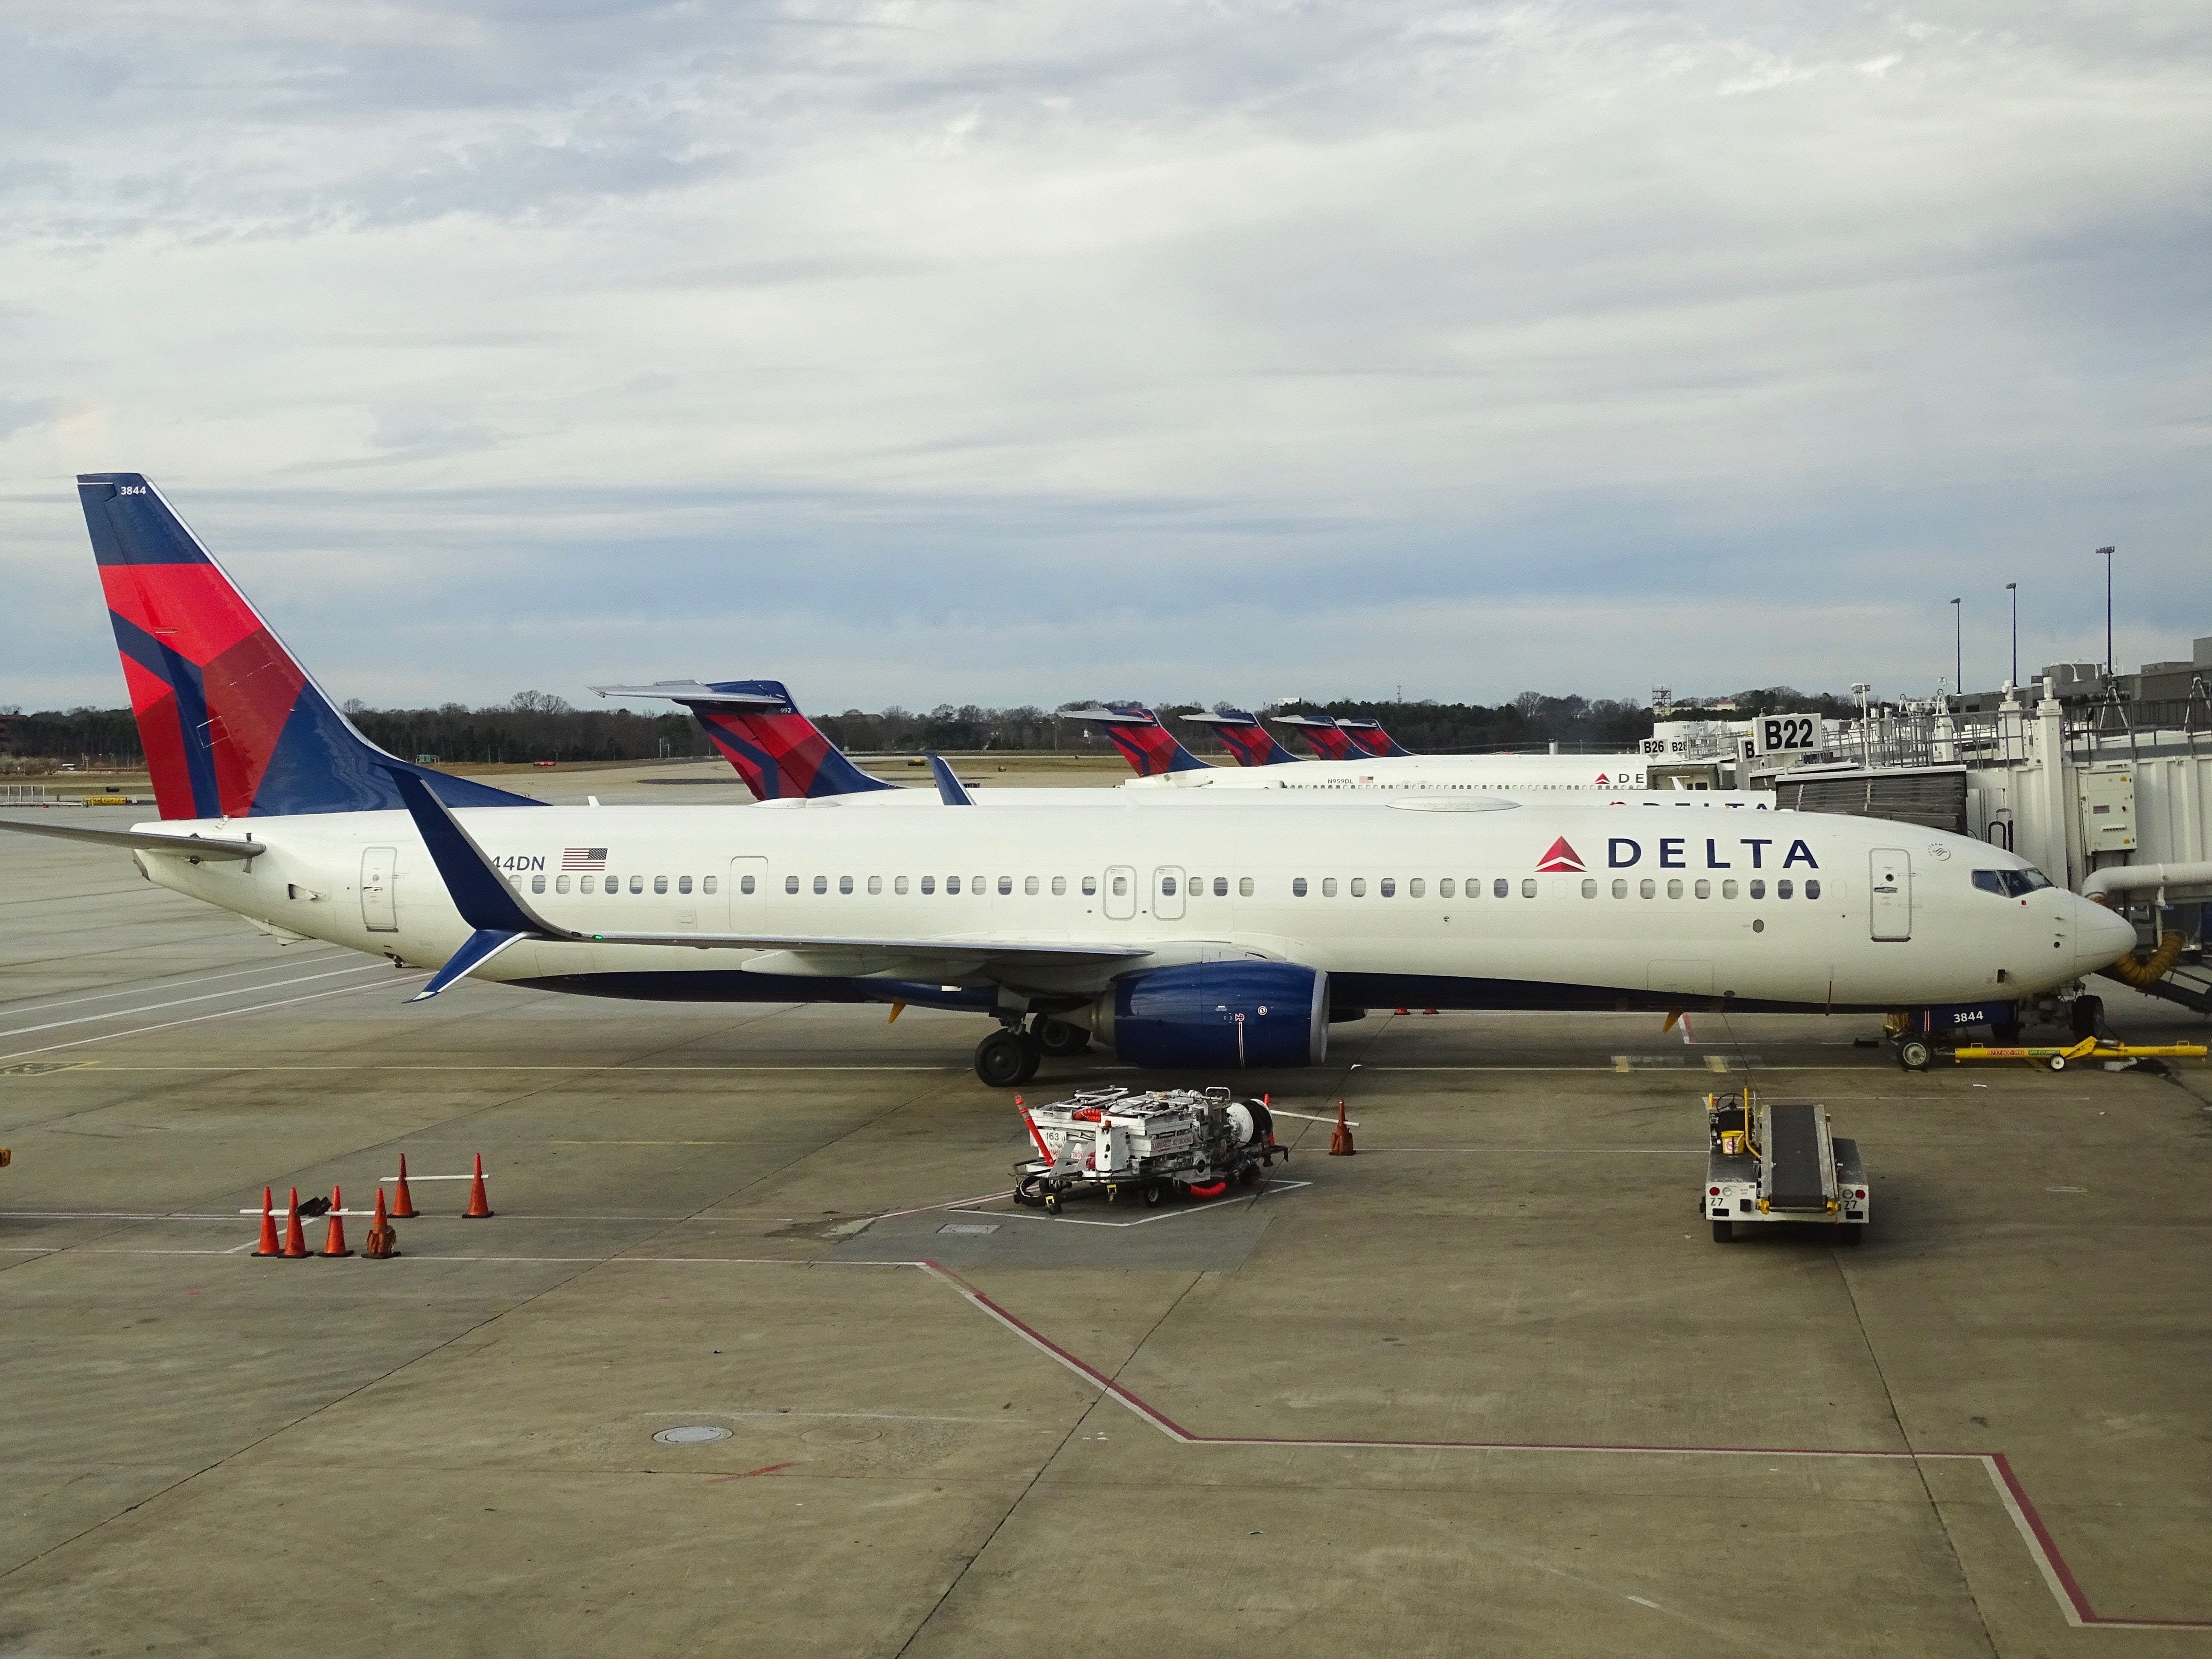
(1488,1387)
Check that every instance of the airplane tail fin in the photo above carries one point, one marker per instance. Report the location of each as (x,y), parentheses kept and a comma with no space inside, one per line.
(1251,743)
(1329,741)
(780,753)
(1148,746)
(1370,736)
(232,725)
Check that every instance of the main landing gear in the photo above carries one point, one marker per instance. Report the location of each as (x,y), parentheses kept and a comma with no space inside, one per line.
(1010,1055)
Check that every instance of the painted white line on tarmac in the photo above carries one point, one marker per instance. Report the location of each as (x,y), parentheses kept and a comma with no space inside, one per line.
(179,1002)
(198,1020)
(203,979)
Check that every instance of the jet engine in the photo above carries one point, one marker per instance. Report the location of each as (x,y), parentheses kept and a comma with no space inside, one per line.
(1221,1015)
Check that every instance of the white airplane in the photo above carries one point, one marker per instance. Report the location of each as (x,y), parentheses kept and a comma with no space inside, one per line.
(1219,936)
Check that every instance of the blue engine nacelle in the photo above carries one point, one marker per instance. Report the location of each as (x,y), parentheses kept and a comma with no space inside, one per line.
(1224,1015)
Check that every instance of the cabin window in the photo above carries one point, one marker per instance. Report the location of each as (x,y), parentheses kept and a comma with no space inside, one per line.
(1244,886)
(875,885)
(538,884)
(1328,886)
(1647,888)
(1120,887)
(845,884)
(1387,887)
(1089,886)
(1589,887)
(706,884)
(1167,885)
(1415,888)
(1620,888)
(1297,886)
(1005,886)
(661,883)
(585,884)
(1784,887)
(898,885)
(637,883)
(1029,886)
(820,884)
(980,887)
(1675,888)
(953,884)
(560,884)
(791,883)
(1501,888)
(1360,887)
(1758,889)
(1444,888)
(1059,886)
(1221,887)
(1727,890)
(1812,888)
(683,883)
(745,884)
(929,883)
(1703,890)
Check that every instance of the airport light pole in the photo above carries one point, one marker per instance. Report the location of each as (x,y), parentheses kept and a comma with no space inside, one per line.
(2012,588)
(2105,554)
(1958,650)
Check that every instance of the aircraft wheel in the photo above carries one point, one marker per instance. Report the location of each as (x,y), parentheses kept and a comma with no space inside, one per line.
(1058,1039)
(1033,1057)
(2088,1015)
(1913,1055)
(1000,1058)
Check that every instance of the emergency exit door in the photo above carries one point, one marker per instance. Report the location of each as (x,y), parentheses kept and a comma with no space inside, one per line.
(1890,880)
(378,912)
(1168,883)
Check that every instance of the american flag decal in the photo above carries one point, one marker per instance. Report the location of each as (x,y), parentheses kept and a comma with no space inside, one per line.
(583,858)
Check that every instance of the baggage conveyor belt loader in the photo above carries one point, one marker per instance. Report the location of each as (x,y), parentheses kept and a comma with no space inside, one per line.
(1777,1162)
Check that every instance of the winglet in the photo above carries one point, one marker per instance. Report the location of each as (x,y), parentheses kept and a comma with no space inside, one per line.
(954,792)
(480,947)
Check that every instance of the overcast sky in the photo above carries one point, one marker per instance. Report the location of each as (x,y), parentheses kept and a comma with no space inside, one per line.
(922,352)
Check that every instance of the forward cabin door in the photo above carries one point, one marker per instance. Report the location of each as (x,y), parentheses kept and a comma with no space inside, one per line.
(378,912)
(1890,880)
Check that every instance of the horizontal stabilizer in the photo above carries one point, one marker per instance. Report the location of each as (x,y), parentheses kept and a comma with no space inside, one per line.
(145,841)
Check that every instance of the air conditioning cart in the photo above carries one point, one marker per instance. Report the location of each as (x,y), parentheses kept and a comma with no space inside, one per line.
(1195,1143)
(1777,1161)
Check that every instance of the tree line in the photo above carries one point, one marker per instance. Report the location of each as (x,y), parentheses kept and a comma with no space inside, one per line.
(537,725)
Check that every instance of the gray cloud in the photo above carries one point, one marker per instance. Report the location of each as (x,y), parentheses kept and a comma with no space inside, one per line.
(925,350)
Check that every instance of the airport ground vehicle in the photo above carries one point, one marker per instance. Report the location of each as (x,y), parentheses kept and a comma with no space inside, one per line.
(1777,1161)
(1198,1142)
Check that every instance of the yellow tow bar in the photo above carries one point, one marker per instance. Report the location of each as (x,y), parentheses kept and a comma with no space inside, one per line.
(2088,1048)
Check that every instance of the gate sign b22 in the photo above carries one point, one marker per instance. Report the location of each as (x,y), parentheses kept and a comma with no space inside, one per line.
(1786,734)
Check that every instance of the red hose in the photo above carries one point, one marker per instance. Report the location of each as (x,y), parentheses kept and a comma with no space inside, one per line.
(1214,1191)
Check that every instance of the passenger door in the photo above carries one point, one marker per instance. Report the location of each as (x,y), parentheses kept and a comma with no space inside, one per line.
(1167,892)
(1120,894)
(379,913)
(1890,880)
(748,893)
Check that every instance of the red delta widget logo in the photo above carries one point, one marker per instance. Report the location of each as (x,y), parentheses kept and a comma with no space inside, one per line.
(1560,859)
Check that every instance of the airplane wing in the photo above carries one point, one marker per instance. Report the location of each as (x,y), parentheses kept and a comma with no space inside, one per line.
(149,841)
(502,917)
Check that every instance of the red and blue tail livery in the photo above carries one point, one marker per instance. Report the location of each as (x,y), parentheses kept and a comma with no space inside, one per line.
(1328,740)
(1251,743)
(1148,746)
(780,753)
(232,727)
(1370,736)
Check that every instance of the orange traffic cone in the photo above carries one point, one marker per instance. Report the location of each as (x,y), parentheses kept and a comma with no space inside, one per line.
(268,1245)
(403,1201)
(295,1242)
(381,1241)
(334,1233)
(1340,1138)
(479,1206)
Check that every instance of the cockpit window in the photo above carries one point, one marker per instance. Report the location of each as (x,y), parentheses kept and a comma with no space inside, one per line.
(2010,884)
(1989,881)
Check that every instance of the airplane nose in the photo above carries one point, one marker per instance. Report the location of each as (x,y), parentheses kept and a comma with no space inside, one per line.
(2100,937)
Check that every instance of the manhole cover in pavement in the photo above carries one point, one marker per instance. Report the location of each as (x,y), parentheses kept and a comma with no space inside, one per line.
(970,1227)
(692,1434)
(842,1434)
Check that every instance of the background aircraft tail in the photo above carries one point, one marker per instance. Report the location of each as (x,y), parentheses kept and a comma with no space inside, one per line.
(1328,740)
(232,725)
(1147,745)
(780,753)
(1370,736)
(1251,743)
